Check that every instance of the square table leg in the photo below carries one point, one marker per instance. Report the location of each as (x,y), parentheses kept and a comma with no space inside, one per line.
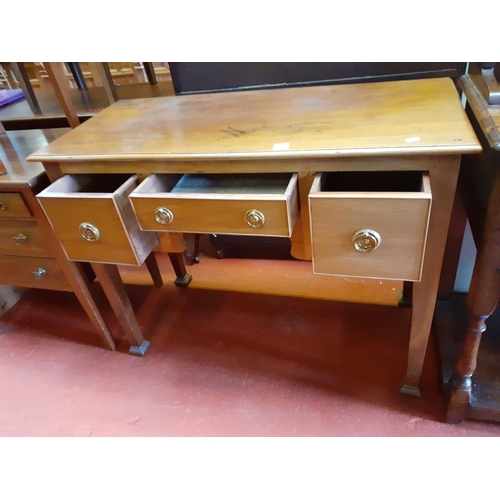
(443,179)
(114,289)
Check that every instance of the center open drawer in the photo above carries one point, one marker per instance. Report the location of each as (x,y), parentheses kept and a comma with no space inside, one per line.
(93,218)
(252,204)
(370,224)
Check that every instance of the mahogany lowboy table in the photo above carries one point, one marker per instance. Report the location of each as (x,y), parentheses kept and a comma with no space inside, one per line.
(360,177)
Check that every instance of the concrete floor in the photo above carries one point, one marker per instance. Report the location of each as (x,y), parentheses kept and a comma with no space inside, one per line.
(224,360)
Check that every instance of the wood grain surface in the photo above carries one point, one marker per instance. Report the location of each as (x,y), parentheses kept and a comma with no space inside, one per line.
(19,271)
(12,206)
(401,219)
(71,201)
(218,208)
(409,117)
(33,244)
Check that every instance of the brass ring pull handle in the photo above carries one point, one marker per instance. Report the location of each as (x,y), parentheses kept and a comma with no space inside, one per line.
(39,273)
(89,232)
(19,239)
(3,206)
(164,215)
(366,240)
(254,218)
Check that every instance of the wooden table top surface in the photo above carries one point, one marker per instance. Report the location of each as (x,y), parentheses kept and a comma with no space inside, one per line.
(14,148)
(396,117)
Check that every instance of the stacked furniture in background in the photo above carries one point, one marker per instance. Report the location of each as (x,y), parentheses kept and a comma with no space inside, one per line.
(470,373)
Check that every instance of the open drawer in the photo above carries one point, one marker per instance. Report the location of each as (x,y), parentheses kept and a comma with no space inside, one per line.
(370,224)
(252,204)
(93,219)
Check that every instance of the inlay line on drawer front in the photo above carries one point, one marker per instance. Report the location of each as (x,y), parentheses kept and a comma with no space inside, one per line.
(379,233)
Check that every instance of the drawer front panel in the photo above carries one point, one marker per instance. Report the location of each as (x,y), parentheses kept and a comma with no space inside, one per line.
(22,238)
(94,220)
(371,235)
(32,272)
(12,206)
(215,216)
(251,204)
(110,244)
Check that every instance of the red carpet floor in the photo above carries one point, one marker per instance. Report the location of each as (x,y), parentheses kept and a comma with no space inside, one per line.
(221,363)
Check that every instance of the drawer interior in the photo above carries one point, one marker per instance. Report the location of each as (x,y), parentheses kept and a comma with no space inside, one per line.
(386,181)
(216,184)
(101,184)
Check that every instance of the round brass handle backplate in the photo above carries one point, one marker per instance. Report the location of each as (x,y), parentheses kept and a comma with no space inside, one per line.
(164,215)
(254,218)
(89,232)
(3,206)
(366,240)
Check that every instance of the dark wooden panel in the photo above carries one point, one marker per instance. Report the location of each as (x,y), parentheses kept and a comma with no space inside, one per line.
(195,77)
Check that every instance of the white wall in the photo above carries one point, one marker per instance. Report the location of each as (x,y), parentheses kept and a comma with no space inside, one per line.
(466,262)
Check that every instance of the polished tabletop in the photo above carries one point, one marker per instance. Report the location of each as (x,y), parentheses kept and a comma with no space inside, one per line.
(15,147)
(396,117)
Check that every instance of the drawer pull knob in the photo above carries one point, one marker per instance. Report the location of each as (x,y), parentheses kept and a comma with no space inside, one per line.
(39,273)
(366,240)
(3,206)
(254,218)
(19,239)
(163,215)
(89,232)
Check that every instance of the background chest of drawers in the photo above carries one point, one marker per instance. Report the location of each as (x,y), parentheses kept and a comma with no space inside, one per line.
(26,259)
(31,255)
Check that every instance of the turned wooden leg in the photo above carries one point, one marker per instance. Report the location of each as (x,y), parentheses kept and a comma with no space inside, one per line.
(443,179)
(461,381)
(482,300)
(481,303)
(154,270)
(183,278)
(113,287)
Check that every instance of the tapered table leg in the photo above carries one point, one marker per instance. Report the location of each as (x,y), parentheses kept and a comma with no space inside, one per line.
(183,278)
(443,178)
(154,270)
(75,274)
(114,289)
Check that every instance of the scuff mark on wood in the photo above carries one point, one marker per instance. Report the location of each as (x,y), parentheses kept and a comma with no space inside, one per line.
(233,131)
